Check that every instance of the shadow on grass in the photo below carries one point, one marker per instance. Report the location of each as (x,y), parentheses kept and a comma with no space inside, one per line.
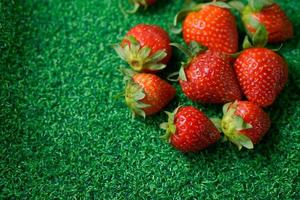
(12,68)
(268,147)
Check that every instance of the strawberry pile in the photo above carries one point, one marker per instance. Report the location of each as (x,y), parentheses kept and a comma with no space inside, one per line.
(215,71)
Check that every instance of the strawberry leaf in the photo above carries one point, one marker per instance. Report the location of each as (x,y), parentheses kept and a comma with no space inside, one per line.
(169,126)
(145,52)
(235,55)
(240,124)
(247,126)
(183,49)
(253,21)
(176,30)
(217,122)
(237,5)
(133,96)
(163,125)
(242,141)
(232,124)
(127,52)
(246,43)
(155,66)
(189,6)
(195,48)
(138,94)
(258,5)
(135,48)
(120,51)
(260,37)
(182,75)
(221,4)
(140,58)
(172,75)
(142,105)
(278,48)
(181,15)
(158,56)
(139,112)
(237,122)
(225,107)
(127,73)
(132,40)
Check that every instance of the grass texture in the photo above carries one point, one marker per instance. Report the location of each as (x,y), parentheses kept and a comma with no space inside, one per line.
(63,134)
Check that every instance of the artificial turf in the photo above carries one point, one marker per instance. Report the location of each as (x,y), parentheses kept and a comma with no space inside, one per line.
(64,135)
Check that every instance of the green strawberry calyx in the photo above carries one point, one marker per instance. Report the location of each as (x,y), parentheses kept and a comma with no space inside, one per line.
(258,5)
(232,125)
(169,126)
(134,94)
(140,58)
(137,4)
(191,6)
(260,37)
(193,49)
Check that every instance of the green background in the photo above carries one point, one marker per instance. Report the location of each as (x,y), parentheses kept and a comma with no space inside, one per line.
(64,135)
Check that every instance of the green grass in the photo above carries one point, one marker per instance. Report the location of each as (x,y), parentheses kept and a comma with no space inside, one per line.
(63,135)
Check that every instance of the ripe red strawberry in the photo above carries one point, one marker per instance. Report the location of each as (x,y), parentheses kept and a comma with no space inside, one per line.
(147,94)
(262,75)
(212,26)
(244,123)
(189,129)
(146,48)
(209,78)
(270,15)
(138,3)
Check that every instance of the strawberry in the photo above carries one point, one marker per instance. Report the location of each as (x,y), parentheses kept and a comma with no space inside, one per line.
(208,77)
(212,26)
(262,75)
(189,129)
(269,14)
(146,94)
(146,48)
(244,123)
(138,3)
